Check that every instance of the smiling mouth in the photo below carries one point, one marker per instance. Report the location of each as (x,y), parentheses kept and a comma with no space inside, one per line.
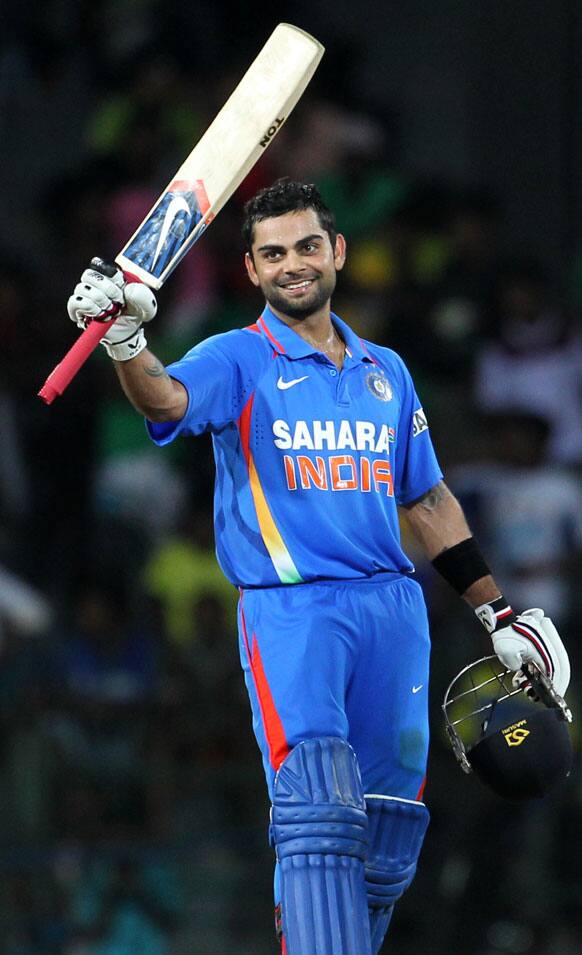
(297,286)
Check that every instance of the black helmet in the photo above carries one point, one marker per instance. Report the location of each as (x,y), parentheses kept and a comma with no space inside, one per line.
(519,747)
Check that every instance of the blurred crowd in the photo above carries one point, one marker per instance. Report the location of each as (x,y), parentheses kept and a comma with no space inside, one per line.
(133,813)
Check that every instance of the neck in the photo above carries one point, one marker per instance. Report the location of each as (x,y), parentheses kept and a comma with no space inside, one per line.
(319,331)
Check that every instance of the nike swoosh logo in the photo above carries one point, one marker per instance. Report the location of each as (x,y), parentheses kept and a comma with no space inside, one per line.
(283,385)
(417,689)
(176,205)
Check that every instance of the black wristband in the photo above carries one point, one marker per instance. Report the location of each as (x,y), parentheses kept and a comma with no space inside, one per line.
(461,565)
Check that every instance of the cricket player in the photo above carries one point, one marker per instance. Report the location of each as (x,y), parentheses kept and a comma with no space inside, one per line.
(320,440)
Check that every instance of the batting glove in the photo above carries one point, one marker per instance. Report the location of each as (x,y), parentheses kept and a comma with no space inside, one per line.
(102,295)
(528,636)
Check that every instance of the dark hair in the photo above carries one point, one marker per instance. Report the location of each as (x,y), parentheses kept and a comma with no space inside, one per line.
(286,195)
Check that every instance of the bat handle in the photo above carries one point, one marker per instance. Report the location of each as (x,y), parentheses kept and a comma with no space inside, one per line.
(77,355)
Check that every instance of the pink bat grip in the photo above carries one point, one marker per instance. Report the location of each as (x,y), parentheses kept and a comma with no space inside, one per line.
(77,355)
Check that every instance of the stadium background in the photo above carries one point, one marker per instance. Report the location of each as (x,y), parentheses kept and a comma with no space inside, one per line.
(448,138)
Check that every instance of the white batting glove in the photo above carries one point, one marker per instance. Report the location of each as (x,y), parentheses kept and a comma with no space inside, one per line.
(528,636)
(103,294)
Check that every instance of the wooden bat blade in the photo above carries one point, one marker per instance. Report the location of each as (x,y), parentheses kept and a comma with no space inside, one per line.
(232,144)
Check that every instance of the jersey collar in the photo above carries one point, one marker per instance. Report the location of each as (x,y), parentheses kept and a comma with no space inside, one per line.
(287,342)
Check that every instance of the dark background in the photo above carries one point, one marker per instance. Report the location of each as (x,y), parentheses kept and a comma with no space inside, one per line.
(448,139)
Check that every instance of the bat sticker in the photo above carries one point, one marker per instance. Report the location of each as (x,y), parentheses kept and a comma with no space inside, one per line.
(166,231)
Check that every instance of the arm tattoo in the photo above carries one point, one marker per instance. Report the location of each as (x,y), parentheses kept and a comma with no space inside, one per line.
(156,369)
(431,500)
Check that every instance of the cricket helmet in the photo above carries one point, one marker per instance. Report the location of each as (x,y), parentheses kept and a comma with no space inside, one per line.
(517,746)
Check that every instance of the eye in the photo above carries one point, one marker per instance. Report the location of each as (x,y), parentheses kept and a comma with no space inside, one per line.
(310,247)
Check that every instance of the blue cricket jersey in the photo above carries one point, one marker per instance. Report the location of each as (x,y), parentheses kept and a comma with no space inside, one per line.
(311,462)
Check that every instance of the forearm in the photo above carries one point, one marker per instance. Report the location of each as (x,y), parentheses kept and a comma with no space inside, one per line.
(150,388)
(483,591)
(438,523)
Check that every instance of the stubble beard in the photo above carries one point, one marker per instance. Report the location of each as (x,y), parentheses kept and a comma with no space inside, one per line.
(323,289)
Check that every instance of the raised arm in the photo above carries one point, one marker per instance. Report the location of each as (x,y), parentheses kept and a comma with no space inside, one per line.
(150,388)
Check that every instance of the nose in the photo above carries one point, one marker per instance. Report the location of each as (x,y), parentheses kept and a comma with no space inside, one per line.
(293,263)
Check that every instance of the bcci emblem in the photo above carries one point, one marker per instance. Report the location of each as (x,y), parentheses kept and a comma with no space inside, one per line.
(379,385)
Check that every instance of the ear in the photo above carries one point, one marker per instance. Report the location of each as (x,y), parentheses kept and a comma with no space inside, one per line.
(251,270)
(339,254)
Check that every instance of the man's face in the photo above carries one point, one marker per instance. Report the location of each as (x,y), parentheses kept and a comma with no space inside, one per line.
(294,264)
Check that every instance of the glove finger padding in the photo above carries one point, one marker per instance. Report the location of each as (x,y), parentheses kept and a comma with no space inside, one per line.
(96,297)
(101,295)
(83,308)
(560,661)
(109,285)
(533,636)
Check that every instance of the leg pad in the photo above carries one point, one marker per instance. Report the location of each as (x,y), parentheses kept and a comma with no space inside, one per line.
(319,830)
(396,832)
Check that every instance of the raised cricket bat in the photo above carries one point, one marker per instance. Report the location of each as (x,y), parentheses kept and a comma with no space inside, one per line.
(245,126)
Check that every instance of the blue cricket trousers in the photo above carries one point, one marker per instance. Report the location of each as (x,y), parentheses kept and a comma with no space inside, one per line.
(341,658)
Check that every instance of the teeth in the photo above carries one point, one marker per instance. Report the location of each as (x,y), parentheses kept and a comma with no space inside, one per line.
(299,284)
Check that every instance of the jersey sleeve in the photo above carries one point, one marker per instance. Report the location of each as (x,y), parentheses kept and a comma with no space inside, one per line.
(416,466)
(218,376)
